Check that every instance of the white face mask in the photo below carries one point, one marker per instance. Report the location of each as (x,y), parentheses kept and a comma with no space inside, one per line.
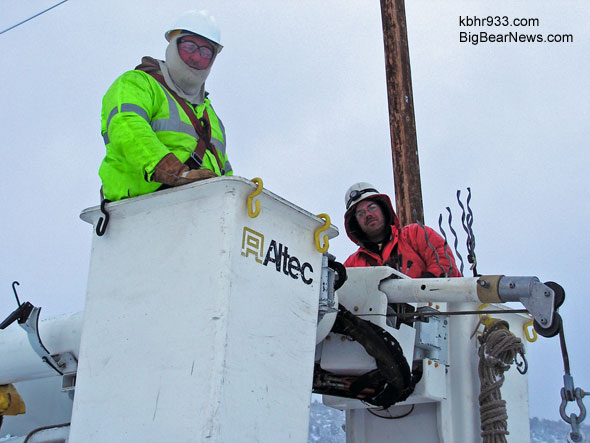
(187,82)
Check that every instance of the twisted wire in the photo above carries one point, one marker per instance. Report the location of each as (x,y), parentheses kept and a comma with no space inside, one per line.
(456,242)
(446,244)
(436,257)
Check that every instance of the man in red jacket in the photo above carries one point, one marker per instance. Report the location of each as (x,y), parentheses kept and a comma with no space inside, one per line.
(372,224)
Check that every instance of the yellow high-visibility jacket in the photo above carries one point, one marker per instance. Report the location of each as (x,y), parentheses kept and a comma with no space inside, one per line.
(141,123)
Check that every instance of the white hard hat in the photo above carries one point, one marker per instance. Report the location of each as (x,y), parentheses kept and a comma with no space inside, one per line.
(197,22)
(358,192)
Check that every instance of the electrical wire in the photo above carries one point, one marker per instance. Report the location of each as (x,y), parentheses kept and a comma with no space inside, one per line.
(391,417)
(44,428)
(418,314)
(32,17)
(564,353)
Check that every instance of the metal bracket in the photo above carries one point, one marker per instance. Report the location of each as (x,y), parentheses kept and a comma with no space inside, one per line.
(535,296)
(27,315)
(431,337)
(64,363)
(328,303)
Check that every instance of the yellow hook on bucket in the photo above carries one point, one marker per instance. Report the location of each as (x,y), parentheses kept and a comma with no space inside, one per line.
(253,213)
(321,229)
(484,319)
(528,326)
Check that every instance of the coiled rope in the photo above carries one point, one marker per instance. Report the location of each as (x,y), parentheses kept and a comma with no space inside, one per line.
(498,350)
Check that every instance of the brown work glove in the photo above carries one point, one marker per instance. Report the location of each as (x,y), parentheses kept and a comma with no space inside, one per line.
(170,171)
(199,174)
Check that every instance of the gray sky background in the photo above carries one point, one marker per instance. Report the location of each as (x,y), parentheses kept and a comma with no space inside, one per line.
(300,87)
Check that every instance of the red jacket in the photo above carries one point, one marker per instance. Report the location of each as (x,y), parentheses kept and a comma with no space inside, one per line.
(407,249)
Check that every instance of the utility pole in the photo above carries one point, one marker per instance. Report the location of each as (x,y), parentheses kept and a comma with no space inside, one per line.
(402,123)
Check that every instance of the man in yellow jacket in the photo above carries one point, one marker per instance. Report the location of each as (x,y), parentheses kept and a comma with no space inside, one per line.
(157,121)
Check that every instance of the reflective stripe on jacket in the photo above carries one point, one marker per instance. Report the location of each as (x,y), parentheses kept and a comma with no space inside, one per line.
(141,123)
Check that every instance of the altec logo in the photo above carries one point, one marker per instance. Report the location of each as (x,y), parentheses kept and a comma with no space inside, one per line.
(277,253)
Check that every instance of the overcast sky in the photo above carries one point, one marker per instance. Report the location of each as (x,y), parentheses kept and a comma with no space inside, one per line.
(300,87)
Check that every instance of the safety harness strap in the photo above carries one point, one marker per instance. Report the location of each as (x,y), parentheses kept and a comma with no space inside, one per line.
(202,126)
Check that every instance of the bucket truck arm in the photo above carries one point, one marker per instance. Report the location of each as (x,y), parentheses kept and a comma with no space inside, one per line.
(370,293)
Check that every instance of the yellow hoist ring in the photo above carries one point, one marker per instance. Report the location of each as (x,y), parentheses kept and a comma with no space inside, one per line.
(486,319)
(528,326)
(253,213)
(318,231)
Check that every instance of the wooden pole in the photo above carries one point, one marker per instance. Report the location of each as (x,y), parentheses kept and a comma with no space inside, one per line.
(404,148)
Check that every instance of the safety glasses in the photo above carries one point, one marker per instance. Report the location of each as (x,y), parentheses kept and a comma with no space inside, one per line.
(191,47)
